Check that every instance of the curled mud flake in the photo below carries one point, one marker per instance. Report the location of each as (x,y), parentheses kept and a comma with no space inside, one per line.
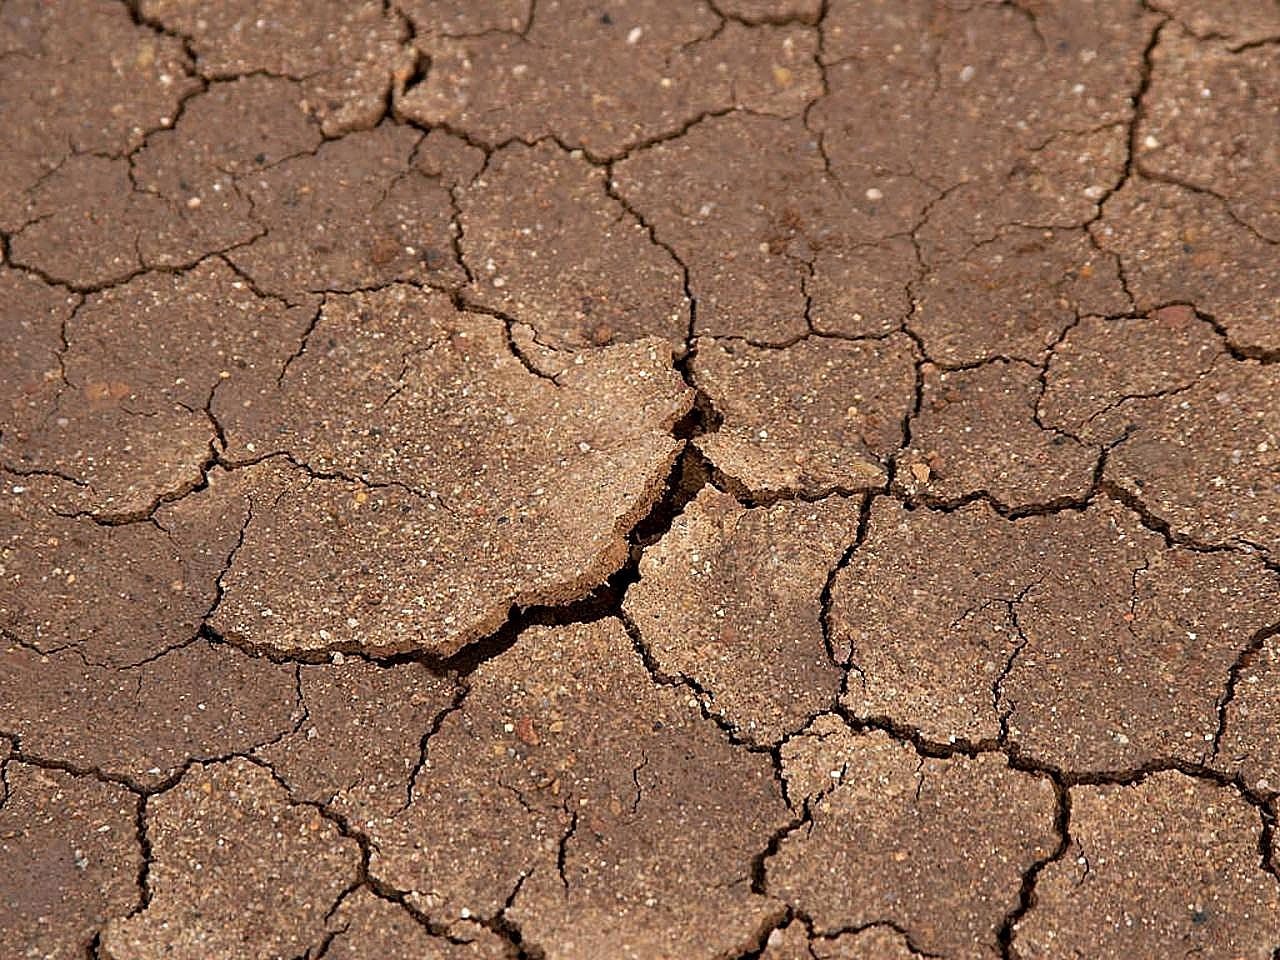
(546,244)
(69,860)
(1000,644)
(936,847)
(346,55)
(818,416)
(1211,120)
(1206,460)
(141,363)
(366,926)
(444,480)
(1105,366)
(977,432)
(238,870)
(1247,744)
(357,213)
(1014,297)
(732,598)
(1179,246)
(236,128)
(1237,22)
(362,740)
(117,594)
(606,82)
(1167,865)
(143,723)
(591,825)
(92,81)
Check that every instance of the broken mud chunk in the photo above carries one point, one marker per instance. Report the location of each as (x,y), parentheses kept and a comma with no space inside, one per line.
(998,644)
(1209,121)
(32,318)
(1014,297)
(608,83)
(129,424)
(1247,745)
(143,723)
(1206,460)
(1166,865)
(366,926)
(69,859)
(769,238)
(1238,22)
(115,594)
(732,599)
(1179,246)
(877,942)
(439,472)
(237,870)
(1105,367)
(92,82)
(977,433)
(937,847)
(345,55)
(591,827)
(359,745)
(357,213)
(813,418)
(547,245)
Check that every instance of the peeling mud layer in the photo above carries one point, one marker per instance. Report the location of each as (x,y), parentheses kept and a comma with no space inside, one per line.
(727,479)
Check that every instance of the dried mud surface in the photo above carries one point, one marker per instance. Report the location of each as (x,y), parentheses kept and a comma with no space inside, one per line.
(784,479)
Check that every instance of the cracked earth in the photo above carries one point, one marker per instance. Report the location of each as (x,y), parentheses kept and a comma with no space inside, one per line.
(780,479)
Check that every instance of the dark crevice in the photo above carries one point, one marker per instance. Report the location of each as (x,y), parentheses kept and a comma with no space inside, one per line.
(1238,351)
(1243,661)
(454,705)
(562,850)
(611,189)
(825,598)
(302,342)
(1027,892)
(687,477)
(1137,98)
(510,931)
(417,74)
(997,686)
(775,920)
(1157,524)
(147,858)
(759,863)
(526,361)
(1225,202)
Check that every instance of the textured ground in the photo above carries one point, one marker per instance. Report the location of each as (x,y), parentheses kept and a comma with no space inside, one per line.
(793,479)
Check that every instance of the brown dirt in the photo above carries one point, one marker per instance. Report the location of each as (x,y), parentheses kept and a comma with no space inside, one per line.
(784,479)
